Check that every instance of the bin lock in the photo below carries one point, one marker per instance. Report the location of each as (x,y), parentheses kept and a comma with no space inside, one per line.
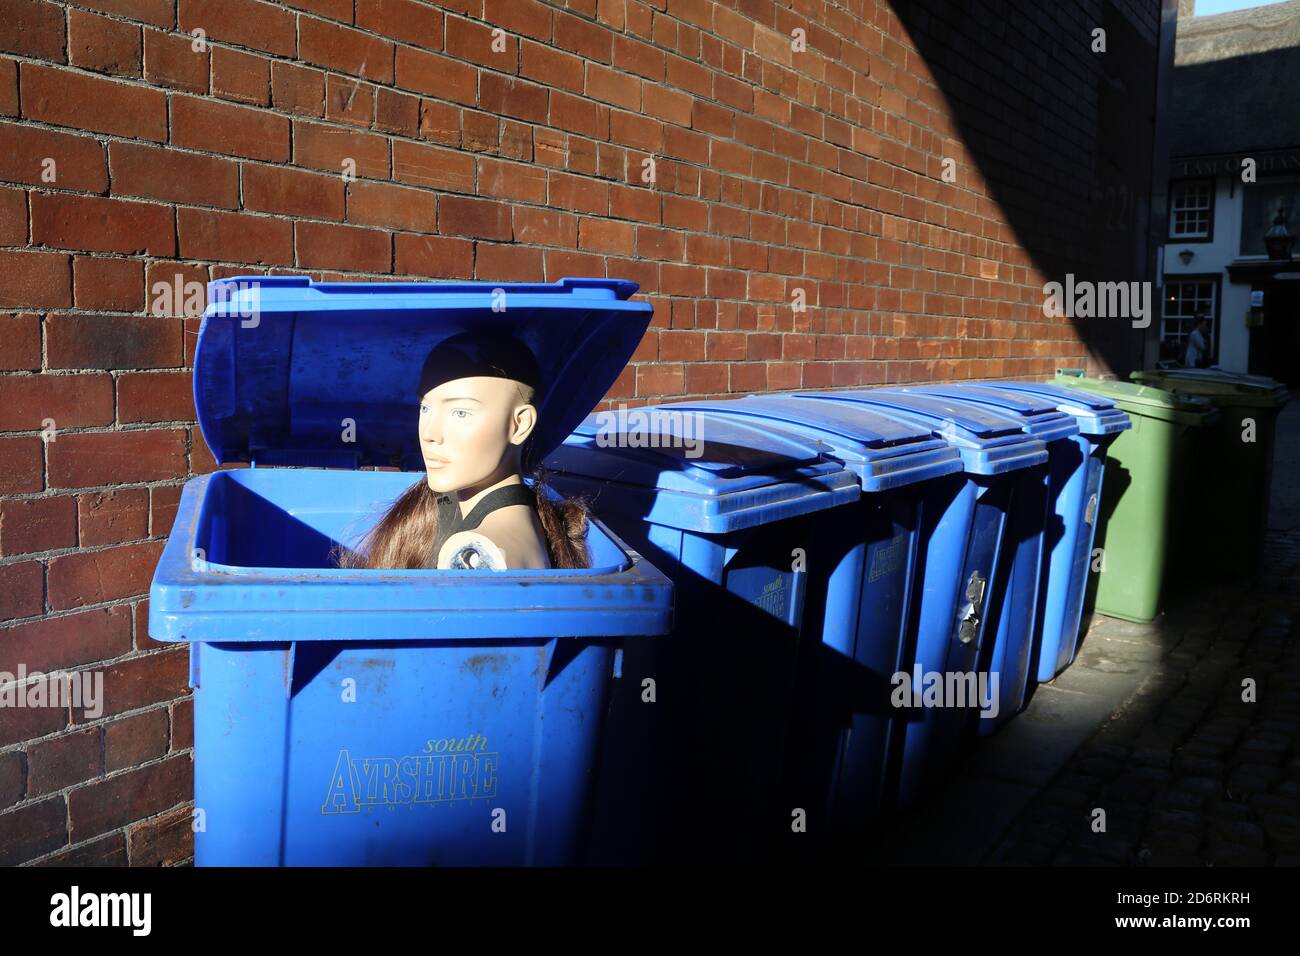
(1090,513)
(968,626)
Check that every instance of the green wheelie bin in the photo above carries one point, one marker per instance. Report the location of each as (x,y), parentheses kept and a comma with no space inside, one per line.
(1233,488)
(1145,511)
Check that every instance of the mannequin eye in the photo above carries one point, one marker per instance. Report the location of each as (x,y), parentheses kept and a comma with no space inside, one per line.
(461,413)
(423,408)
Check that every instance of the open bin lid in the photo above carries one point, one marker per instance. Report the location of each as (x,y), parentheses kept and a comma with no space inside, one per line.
(989,443)
(701,471)
(885,452)
(1038,416)
(284,364)
(1096,416)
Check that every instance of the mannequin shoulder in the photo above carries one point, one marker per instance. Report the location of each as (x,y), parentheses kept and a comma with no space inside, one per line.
(514,530)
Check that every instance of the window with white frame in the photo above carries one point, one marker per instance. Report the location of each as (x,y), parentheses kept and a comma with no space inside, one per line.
(1183,302)
(1191,209)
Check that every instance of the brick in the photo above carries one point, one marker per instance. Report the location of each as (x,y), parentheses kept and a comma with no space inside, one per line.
(65,641)
(397,112)
(602,235)
(20,341)
(466,40)
(155,397)
(32,830)
(21,465)
(110,517)
(182,725)
(13,217)
(229,129)
(611,86)
(22,594)
(150,679)
(62,761)
(349,101)
(109,851)
(591,40)
(93,577)
(346,50)
(163,503)
(241,76)
(578,193)
(98,43)
(78,160)
(171,175)
(8,87)
(435,256)
(201,460)
(327,149)
(322,246)
(292,192)
(97,224)
(124,798)
(505,262)
(112,341)
(12,776)
(171,60)
(528,17)
(33,28)
(297,89)
(72,401)
(545,227)
(481,218)
(440,123)
(552,67)
(393,207)
(91,459)
(94,103)
(261,26)
(112,284)
(421,165)
(131,741)
(333,9)
(234,237)
(164,840)
(176,289)
(403,20)
(517,182)
(35,280)
(507,96)
(160,13)
(439,76)
(32,525)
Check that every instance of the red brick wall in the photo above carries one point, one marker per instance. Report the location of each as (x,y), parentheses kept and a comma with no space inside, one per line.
(775,171)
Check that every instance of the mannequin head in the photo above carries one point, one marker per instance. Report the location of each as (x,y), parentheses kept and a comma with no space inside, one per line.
(476,421)
(476,411)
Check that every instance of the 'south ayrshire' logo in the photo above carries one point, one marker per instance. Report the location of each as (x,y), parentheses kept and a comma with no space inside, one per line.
(449,769)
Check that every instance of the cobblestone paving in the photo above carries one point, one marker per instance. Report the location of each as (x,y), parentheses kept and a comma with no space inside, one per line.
(1188,773)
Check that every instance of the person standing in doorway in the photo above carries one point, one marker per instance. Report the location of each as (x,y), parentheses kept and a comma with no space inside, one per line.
(1198,348)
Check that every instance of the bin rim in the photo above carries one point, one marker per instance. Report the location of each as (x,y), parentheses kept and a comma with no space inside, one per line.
(1146,400)
(1222,392)
(199,601)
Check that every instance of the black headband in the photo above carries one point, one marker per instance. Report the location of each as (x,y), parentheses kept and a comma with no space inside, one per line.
(479,354)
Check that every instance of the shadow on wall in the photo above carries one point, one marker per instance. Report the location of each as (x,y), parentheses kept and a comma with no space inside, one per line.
(1063,136)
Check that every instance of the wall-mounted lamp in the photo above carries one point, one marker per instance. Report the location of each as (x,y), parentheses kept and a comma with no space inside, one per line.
(1186,256)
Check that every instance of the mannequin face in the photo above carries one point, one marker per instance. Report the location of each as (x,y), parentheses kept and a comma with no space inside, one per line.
(472,430)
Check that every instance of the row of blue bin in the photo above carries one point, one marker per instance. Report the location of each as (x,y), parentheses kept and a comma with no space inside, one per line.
(822,543)
(722,678)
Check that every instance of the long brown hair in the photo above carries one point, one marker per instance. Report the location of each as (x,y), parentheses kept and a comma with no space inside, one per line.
(404,536)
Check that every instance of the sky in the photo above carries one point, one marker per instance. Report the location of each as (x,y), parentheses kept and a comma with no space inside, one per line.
(1205,8)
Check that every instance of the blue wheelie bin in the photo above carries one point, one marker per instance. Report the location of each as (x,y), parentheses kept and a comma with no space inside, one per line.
(734,513)
(1047,531)
(842,729)
(960,579)
(376,717)
(1074,495)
